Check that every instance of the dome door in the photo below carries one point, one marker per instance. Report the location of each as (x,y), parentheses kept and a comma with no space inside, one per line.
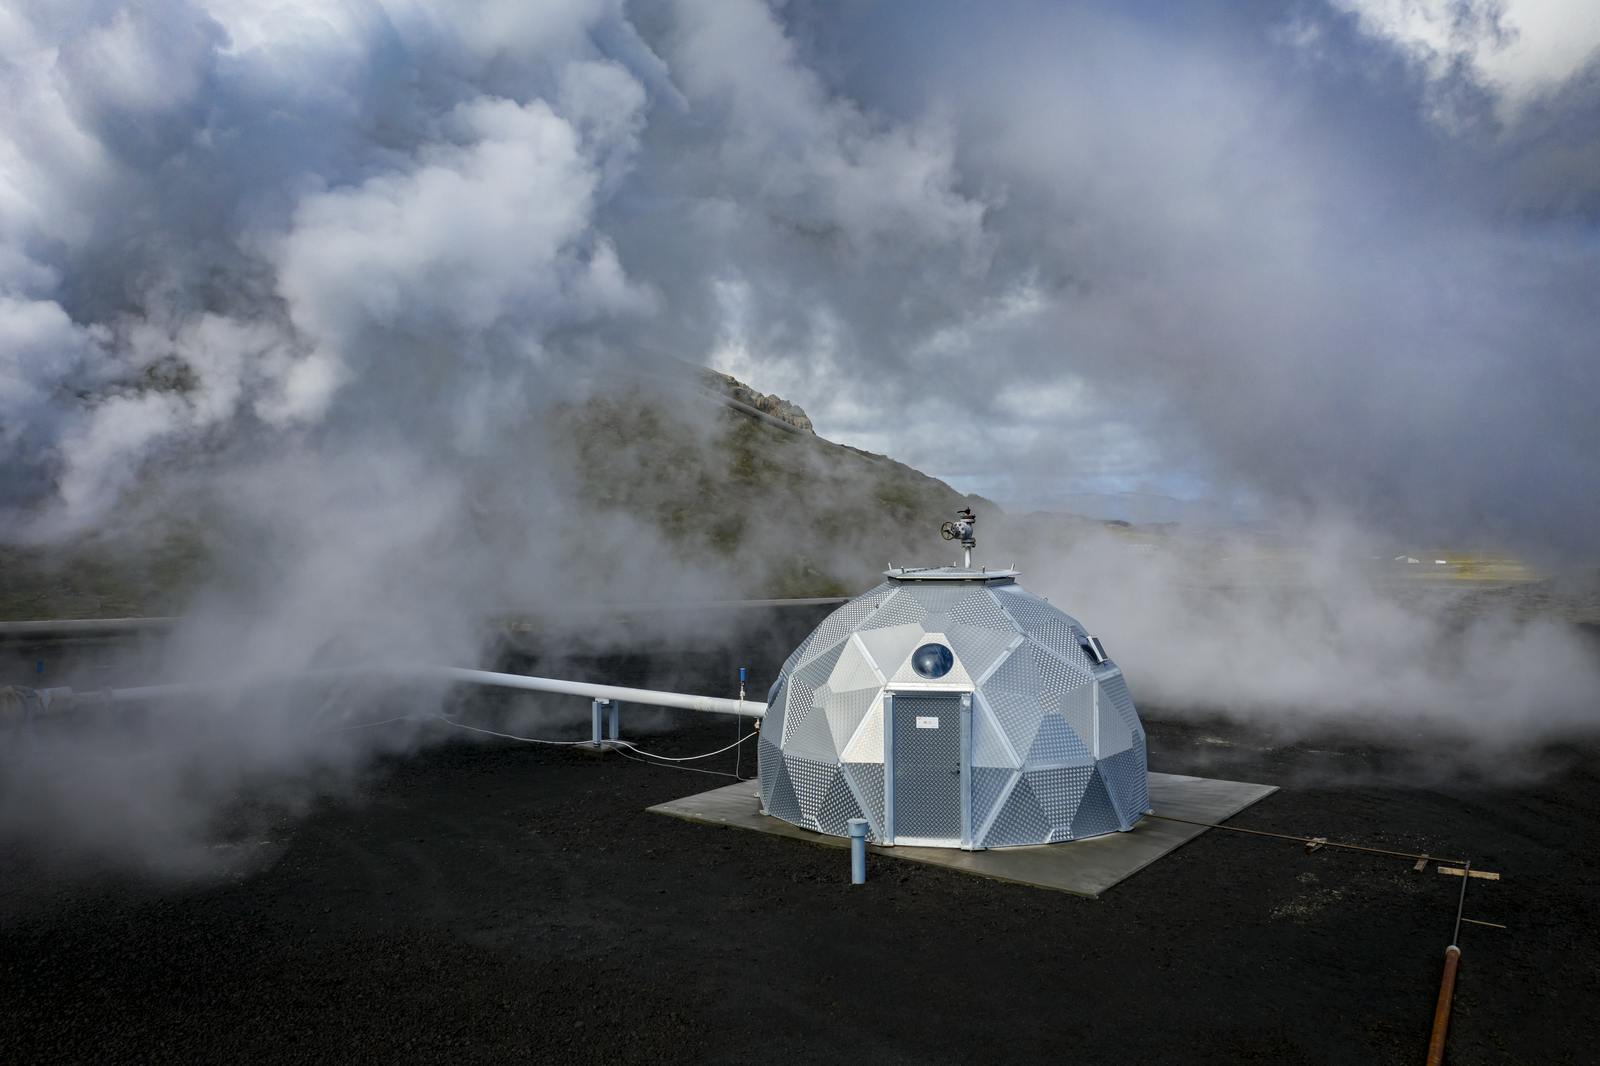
(926,798)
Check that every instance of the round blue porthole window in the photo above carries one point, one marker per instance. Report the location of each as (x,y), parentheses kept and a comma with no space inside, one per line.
(932,660)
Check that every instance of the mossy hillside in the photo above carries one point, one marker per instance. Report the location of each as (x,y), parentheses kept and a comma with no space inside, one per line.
(780,513)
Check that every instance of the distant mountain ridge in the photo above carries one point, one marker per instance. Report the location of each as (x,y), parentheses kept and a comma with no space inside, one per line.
(734,481)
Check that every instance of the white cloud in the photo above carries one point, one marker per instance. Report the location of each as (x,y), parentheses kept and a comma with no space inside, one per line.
(814,159)
(382,202)
(265,200)
(474,232)
(1517,49)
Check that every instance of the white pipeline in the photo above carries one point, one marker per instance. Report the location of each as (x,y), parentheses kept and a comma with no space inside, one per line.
(644,696)
(460,675)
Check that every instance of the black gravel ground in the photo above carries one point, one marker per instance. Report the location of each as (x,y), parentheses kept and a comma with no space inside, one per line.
(491,901)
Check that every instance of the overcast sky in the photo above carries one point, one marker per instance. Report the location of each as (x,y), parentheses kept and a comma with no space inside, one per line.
(1334,254)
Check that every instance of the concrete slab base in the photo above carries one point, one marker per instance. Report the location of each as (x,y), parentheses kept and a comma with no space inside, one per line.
(1082,867)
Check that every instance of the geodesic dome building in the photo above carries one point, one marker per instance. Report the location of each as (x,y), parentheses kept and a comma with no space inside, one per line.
(951,708)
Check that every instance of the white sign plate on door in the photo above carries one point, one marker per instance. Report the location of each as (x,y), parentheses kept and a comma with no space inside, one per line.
(927,722)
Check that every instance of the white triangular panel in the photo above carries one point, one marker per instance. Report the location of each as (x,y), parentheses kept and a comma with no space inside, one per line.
(845,711)
(1077,707)
(907,674)
(980,650)
(867,743)
(854,670)
(890,646)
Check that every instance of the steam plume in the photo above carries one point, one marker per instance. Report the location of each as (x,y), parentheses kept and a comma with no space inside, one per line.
(316,275)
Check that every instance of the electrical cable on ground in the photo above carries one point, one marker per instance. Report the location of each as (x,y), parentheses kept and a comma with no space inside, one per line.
(619,746)
(509,736)
(650,758)
(684,758)
(1314,840)
(671,766)
(369,725)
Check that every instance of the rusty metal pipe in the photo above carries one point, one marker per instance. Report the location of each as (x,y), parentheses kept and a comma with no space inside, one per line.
(1441,1009)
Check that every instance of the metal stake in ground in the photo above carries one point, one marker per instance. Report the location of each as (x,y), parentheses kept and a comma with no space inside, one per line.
(1447,983)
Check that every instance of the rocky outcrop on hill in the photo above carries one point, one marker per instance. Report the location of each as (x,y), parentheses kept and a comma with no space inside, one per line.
(776,406)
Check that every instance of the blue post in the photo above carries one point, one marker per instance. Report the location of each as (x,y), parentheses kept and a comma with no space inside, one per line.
(613,729)
(595,722)
(858,851)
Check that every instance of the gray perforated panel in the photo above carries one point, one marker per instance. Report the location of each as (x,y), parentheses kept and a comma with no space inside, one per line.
(980,608)
(1126,776)
(1021,820)
(1042,622)
(838,625)
(815,668)
(1013,695)
(1095,813)
(1077,707)
(811,780)
(988,785)
(809,735)
(898,610)
(935,599)
(794,657)
(1058,792)
(772,722)
(1055,673)
(927,767)
(1115,691)
(842,622)
(838,807)
(988,743)
(780,800)
(867,778)
(798,705)
(1055,744)
(768,759)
